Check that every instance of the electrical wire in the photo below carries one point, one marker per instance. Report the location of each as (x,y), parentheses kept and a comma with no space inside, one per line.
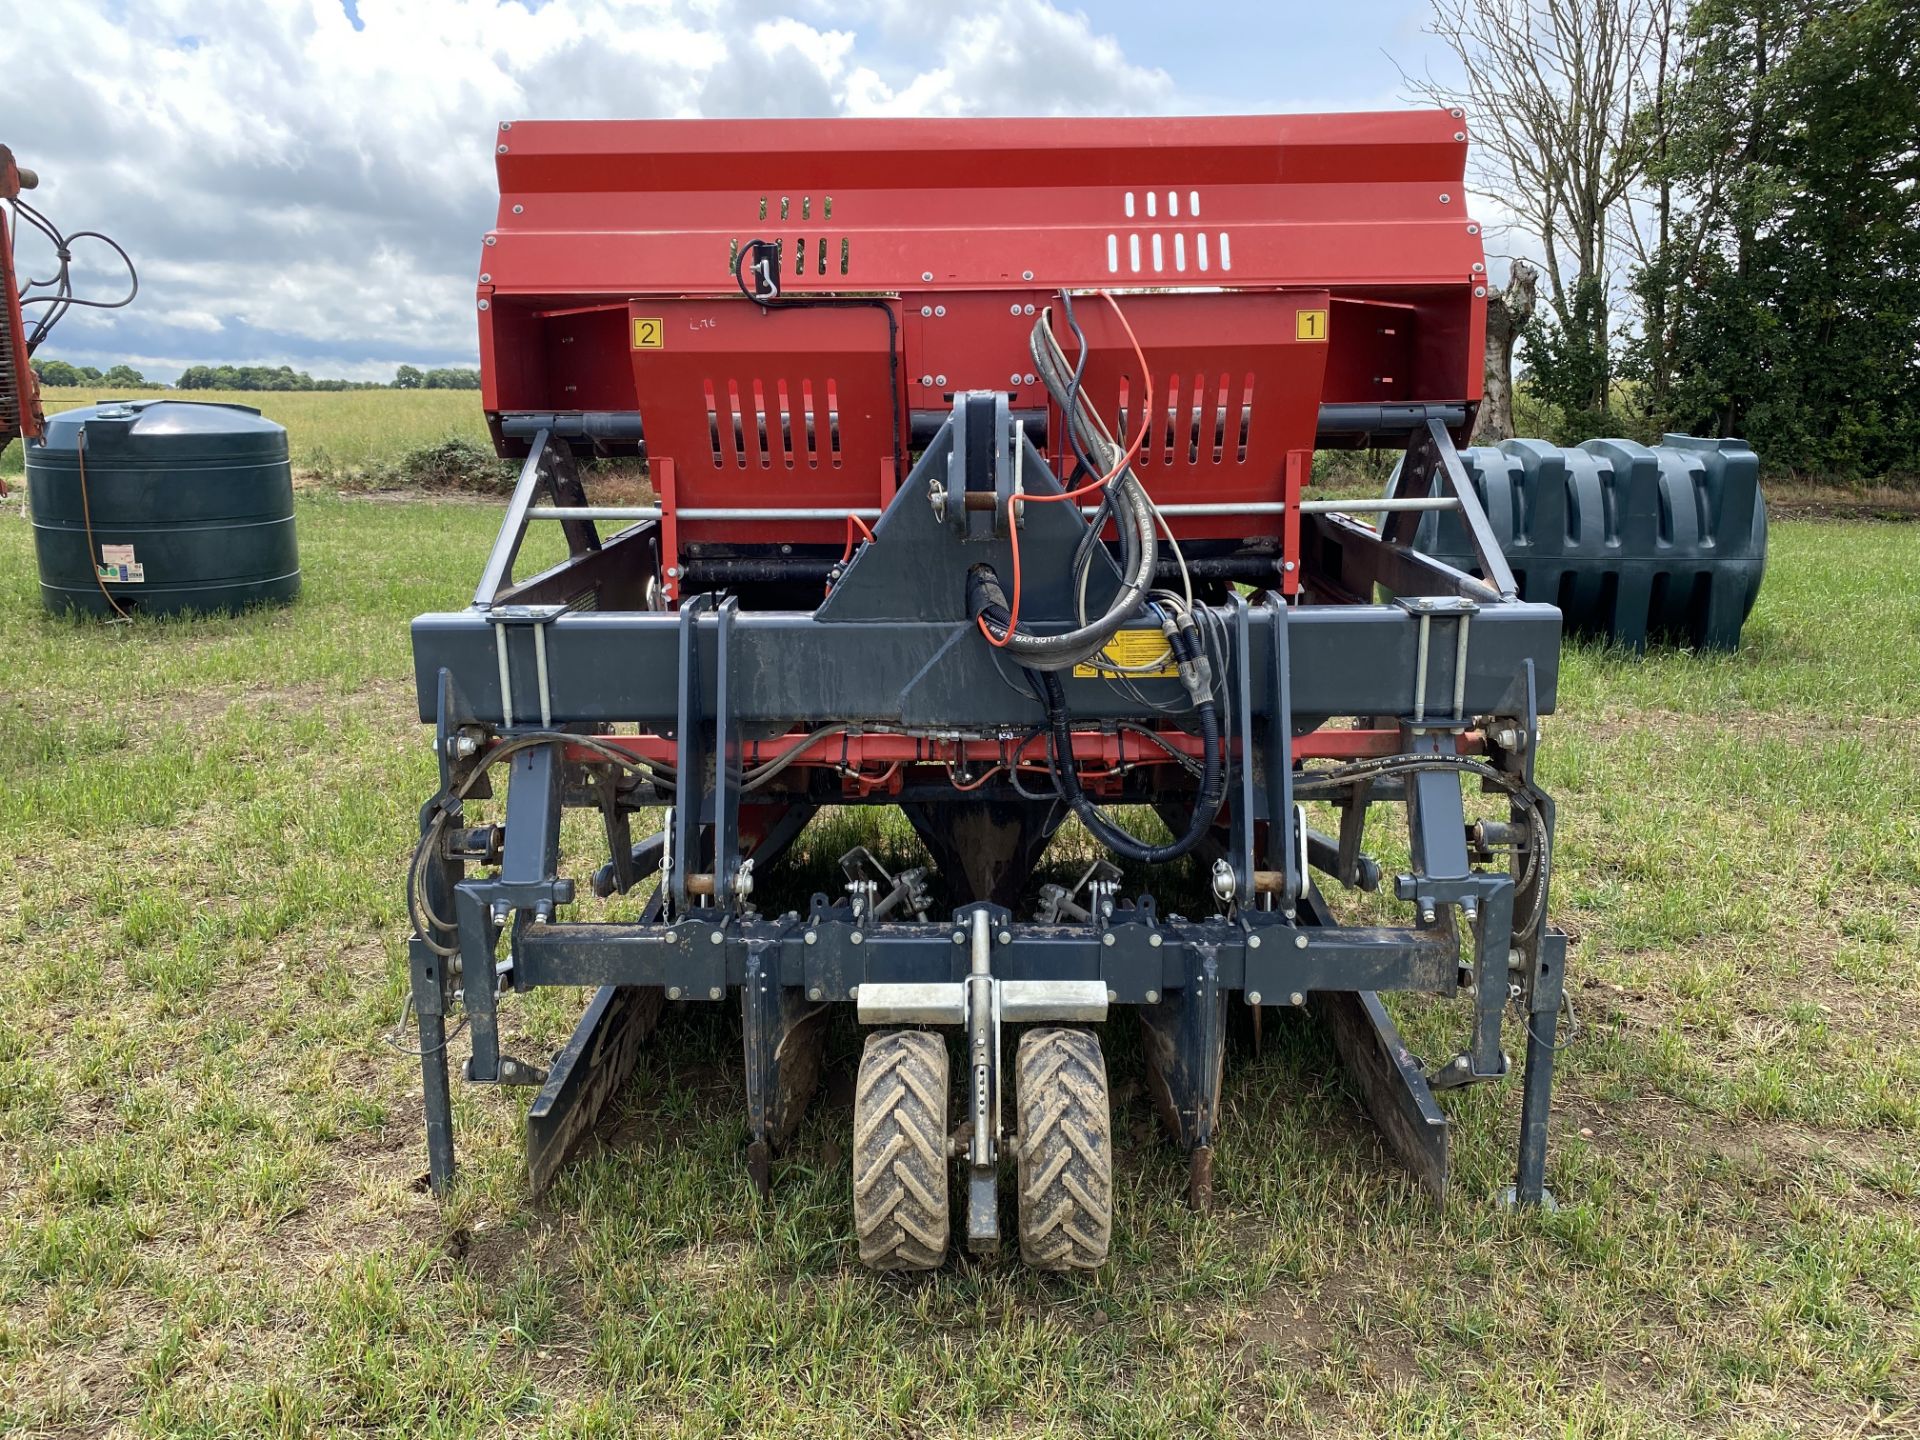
(846,552)
(86,519)
(428,925)
(393,1041)
(1005,638)
(852,521)
(995,614)
(981,779)
(1539,866)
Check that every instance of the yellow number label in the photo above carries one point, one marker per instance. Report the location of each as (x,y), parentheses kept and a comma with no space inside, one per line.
(649,333)
(1309,324)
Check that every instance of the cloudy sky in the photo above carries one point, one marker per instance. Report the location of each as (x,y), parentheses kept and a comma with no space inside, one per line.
(305,182)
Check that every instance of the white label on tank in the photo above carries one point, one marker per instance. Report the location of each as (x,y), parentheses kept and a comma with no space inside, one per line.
(117,562)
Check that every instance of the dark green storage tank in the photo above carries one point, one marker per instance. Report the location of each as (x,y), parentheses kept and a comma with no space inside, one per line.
(191,507)
(1634,543)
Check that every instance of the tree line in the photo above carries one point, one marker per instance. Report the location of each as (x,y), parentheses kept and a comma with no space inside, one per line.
(59,373)
(1723,201)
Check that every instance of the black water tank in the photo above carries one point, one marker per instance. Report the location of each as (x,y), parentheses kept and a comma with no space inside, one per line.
(191,508)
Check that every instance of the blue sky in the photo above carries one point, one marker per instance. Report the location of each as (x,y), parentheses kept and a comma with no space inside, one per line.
(1239,55)
(304,182)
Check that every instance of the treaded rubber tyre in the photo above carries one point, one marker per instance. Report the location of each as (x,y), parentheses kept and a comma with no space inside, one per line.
(1064,1150)
(900,1207)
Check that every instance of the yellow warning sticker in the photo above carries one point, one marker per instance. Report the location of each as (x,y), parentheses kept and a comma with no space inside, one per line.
(1309,324)
(1133,647)
(649,332)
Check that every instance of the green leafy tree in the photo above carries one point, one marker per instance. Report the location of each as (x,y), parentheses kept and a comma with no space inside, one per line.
(1785,306)
(1569,361)
(408,378)
(255,377)
(57,373)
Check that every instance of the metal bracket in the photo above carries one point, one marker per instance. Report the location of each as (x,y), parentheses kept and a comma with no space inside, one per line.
(1431,456)
(686,831)
(1240,856)
(982,462)
(1282,855)
(1426,608)
(508,618)
(1185,1036)
(1060,904)
(983,1084)
(947,1002)
(907,890)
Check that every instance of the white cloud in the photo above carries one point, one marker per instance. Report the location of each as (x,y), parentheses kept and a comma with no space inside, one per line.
(297,190)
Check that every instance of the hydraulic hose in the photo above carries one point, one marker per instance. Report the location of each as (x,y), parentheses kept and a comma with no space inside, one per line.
(1132,512)
(1197,675)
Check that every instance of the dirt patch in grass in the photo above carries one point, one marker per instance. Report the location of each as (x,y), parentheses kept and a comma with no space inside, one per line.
(1791,501)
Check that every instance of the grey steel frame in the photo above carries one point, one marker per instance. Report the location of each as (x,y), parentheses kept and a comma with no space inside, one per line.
(577,650)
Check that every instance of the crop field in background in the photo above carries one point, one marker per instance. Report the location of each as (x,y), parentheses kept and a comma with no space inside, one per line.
(331,433)
(361,439)
(212,1220)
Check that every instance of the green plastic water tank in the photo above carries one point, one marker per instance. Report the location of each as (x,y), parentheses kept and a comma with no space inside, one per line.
(1635,544)
(191,508)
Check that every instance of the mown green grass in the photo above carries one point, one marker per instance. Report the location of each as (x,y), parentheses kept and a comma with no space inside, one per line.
(210,1221)
(329,432)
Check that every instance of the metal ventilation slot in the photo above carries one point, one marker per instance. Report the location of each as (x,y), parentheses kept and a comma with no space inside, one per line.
(760,421)
(1220,424)
(1246,417)
(786,424)
(812,437)
(739,424)
(833,423)
(1193,435)
(1173,415)
(713,424)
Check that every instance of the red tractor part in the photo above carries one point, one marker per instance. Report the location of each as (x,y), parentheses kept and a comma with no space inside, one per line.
(20,415)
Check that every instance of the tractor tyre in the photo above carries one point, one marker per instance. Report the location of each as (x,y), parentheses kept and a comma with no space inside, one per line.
(900,1207)
(1064,1150)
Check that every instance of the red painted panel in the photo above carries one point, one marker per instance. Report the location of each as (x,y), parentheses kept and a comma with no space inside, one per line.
(1235,388)
(19,394)
(977,219)
(776,408)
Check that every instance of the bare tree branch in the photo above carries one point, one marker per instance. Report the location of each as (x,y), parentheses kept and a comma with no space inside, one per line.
(1553,94)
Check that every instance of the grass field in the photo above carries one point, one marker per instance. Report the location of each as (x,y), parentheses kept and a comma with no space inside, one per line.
(329,432)
(211,1220)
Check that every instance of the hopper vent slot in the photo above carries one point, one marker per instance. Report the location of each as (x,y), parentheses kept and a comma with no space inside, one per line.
(755,421)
